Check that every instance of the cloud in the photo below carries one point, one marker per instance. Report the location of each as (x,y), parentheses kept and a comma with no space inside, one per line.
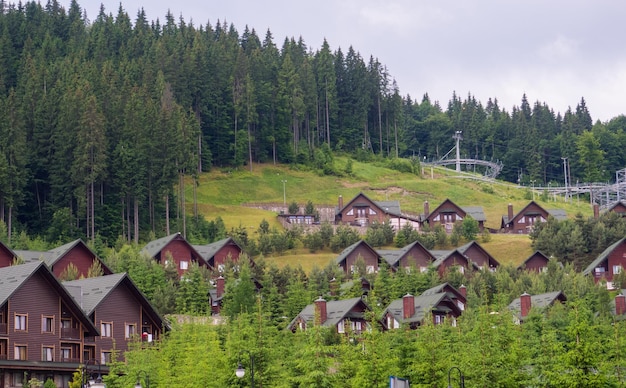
(558,49)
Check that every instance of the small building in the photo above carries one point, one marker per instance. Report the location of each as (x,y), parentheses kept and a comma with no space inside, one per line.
(344,316)
(524,221)
(413,255)
(176,248)
(360,250)
(537,262)
(479,256)
(458,296)
(452,260)
(362,211)
(41,327)
(115,305)
(218,253)
(447,214)
(413,310)
(608,264)
(521,306)
(618,207)
(76,254)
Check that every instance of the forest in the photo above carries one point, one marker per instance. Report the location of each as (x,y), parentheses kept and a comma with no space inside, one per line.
(103,122)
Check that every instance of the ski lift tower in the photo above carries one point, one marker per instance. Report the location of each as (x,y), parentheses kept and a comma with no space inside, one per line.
(458,137)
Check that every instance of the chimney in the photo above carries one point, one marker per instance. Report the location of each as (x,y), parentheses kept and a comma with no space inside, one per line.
(426,209)
(219,285)
(463,290)
(340,202)
(320,311)
(408,306)
(620,304)
(510,212)
(525,304)
(596,211)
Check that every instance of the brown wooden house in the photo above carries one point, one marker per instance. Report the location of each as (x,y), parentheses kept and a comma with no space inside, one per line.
(42,328)
(362,211)
(344,316)
(122,313)
(479,256)
(609,263)
(537,262)
(524,221)
(7,256)
(76,254)
(413,255)
(216,254)
(413,310)
(452,260)
(458,296)
(360,250)
(176,248)
(447,214)
(619,208)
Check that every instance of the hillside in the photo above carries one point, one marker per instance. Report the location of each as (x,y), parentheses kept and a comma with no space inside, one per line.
(225,193)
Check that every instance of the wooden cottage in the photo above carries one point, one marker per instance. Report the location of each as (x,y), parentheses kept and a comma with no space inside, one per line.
(447,214)
(609,263)
(175,248)
(524,221)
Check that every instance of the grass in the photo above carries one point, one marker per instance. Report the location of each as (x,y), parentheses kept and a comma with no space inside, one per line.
(223,192)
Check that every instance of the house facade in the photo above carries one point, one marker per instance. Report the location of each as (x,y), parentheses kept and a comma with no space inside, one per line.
(344,316)
(447,214)
(524,221)
(609,263)
(362,211)
(413,310)
(537,262)
(413,255)
(42,328)
(175,248)
(452,261)
(348,258)
(479,256)
(520,307)
(218,253)
(121,312)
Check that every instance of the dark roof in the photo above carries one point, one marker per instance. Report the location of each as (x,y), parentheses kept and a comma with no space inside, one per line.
(602,256)
(209,250)
(336,310)
(154,247)
(424,304)
(442,288)
(13,277)
(476,212)
(392,256)
(52,256)
(540,301)
(90,292)
(391,207)
(342,256)
(558,214)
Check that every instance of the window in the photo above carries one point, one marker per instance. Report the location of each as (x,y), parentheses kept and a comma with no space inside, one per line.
(17,379)
(341,327)
(130,330)
(20,352)
(352,269)
(21,321)
(47,353)
(461,269)
(423,269)
(66,354)
(221,268)
(47,324)
(460,305)
(356,326)
(617,269)
(105,358)
(184,264)
(106,329)
(439,319)
(599,270)
(370,269)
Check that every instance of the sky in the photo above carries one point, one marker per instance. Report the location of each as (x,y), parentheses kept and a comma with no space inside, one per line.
(556,52)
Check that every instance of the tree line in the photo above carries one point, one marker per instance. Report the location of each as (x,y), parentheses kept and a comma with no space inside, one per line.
(103,123)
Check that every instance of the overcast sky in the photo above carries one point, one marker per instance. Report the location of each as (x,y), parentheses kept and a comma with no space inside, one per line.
(555,51)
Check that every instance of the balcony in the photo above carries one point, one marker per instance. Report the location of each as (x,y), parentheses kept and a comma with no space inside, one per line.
(70,333)
(3,329)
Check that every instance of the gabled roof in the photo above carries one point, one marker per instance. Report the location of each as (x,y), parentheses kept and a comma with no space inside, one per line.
(535,254)
(90,292)
(464,248)
(336,311)
(424,304)
(616,205)
(154,247)
(346,252)
(558,214)
(441,256)
(602,256)
(442,288)
(208,251)
(540,301)
(393,256)
(52,256)
(389,207)
(476,212)
(13,277)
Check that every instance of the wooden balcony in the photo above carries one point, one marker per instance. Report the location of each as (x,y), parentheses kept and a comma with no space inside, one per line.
(70,333)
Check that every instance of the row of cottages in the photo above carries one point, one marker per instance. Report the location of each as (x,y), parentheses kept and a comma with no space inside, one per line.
(348,316)
(363,211)
(415,255)
(177,249)
(49,329)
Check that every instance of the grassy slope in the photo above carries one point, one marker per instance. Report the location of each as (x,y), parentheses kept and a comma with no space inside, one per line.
(221,193)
